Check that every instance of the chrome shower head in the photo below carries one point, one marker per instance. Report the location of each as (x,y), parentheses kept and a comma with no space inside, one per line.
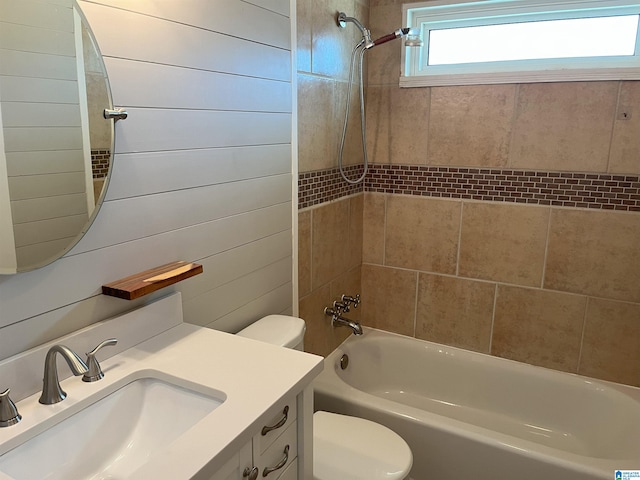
(342,20)
(401,32)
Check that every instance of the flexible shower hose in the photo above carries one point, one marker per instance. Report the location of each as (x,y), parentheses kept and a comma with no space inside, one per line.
(357,49)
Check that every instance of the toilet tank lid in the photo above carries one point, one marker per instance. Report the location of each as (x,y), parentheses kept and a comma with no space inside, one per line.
(281,330)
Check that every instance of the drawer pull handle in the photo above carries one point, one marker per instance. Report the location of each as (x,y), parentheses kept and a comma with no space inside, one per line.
(281,464)
(251,474)
(283,420)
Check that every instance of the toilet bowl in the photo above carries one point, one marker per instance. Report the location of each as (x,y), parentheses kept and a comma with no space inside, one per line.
(344,447)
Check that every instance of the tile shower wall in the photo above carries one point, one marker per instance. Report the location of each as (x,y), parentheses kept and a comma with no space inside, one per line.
(522,271)
(330,232)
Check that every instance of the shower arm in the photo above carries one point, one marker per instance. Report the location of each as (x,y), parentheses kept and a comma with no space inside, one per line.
(366,34)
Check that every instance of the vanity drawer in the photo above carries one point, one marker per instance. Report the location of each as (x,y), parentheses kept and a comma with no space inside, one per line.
(291,473)
(283,417)
(282,452)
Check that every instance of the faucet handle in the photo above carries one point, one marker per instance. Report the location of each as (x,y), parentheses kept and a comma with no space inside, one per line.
(340,306)
(95,372)
(8,411)
(351,300)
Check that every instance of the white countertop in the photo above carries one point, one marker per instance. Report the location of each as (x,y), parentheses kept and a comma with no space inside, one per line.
(251,374)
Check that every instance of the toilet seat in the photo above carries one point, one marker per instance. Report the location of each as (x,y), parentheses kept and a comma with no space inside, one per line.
(351,448)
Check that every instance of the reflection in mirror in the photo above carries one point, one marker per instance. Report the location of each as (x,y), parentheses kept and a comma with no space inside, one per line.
(55,145)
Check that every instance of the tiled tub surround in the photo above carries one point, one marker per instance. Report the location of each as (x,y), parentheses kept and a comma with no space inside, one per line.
(547,285)
(560,294)
(551,286)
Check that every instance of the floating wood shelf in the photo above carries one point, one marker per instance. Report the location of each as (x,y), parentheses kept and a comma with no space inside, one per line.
(149,281)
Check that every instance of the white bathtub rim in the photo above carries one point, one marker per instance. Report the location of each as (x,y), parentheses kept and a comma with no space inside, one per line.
(336,388)
(629,390)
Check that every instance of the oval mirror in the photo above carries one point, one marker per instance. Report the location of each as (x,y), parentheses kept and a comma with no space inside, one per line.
(55,144)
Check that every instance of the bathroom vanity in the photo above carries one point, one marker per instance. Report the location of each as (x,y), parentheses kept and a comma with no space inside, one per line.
(177,401)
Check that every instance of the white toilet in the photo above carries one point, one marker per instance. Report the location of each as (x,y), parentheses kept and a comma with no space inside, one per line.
(344,447)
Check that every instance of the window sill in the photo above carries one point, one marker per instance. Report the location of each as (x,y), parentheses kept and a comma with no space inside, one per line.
(566,75)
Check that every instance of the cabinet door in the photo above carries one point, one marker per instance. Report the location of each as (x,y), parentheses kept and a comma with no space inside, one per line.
(235,467)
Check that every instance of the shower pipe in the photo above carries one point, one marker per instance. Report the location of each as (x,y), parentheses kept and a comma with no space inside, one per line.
(358,55)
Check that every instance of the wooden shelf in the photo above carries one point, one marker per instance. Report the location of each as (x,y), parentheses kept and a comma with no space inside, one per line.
(149,281)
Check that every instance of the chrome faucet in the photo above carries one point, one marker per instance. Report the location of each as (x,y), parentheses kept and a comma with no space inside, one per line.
(336,315)
(51,391)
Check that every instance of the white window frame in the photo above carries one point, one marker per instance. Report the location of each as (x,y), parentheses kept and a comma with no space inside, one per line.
(425,16)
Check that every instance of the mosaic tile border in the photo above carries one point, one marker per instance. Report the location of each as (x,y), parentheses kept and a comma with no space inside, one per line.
(100,163)
(564,189)
(326,185)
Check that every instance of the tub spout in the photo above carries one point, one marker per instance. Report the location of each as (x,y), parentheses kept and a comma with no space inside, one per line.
(337,319)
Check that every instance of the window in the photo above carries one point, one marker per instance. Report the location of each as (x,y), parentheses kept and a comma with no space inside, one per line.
(521,41)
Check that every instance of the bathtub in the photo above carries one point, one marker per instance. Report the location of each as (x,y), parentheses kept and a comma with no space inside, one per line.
(469,415)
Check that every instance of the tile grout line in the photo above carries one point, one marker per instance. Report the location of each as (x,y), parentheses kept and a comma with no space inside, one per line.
(415,306)
(546,248)
(493,317)
(584,328)
(459,239)
(613,126)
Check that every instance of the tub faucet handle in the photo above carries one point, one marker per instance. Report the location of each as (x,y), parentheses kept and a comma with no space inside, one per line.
(340,306)
(351,300)
(94,372)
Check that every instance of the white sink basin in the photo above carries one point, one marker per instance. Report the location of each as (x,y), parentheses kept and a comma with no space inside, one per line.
(112,437)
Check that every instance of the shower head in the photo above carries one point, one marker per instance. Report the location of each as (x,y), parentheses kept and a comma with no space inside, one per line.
(401,32)
(342,20)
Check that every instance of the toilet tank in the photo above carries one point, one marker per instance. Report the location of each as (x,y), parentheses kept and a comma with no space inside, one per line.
(281,330)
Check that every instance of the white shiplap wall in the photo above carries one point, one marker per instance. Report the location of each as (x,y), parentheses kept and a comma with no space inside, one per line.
(202,171)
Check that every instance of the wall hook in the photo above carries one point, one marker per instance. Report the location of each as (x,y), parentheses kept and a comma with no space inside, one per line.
(115,113)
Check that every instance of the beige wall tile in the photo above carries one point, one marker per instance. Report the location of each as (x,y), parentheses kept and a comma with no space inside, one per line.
(422,233)
(331,44)
(388,299)
(330,240)
(409,125)
(384,60)
(318,336)
(356,208)
(611,344)
(594,253)
(538,327)
(455,311)
(304,12)
(505,243)
(470,125)
(304,253)
(378,114)
(352,151)
(564,126)
(317,136)
(373,228)
(625,144)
